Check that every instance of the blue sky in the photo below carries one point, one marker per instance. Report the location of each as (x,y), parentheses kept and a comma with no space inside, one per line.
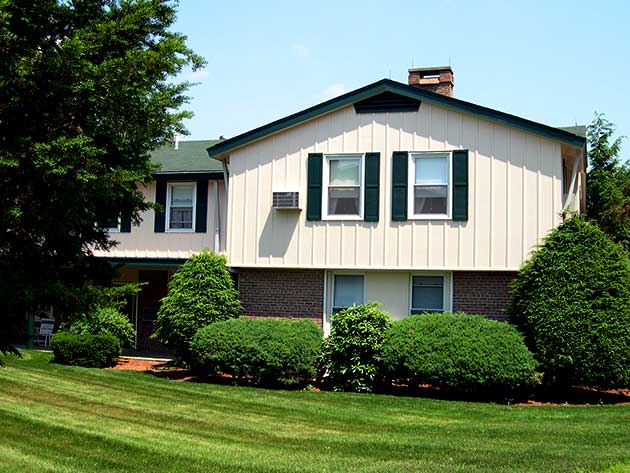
(554,62)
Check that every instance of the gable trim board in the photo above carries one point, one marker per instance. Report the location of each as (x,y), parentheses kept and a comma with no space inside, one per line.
(220,149)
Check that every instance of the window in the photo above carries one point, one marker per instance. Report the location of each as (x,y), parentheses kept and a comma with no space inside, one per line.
(343,183)
(113,226)
(347,291)
(180,206)
(429,185)
(427,294)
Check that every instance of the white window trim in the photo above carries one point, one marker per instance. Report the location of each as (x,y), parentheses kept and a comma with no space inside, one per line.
(115,229)
(411,179)
(169,188)
(447,298)
(332,293)
(326,179)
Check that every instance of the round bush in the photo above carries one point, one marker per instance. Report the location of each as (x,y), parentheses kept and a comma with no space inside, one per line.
(201,292)
(351,358)
(265,351)
(107,321)
(572,301)
(91,351)
(466,353)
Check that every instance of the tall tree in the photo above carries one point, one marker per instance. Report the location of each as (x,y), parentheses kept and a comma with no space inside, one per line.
(86,92)
(608,182)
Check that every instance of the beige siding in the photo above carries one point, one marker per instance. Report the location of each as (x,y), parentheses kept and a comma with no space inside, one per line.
(514,195)
(143,242)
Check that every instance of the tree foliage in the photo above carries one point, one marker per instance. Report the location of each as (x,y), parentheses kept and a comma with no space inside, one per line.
(608,182)
(86,92)
(201,292)
(572,301)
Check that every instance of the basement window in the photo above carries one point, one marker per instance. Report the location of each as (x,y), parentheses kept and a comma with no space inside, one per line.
(348,291)
(427,294)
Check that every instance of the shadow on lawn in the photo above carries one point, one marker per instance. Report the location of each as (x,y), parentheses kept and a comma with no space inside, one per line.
(577,395)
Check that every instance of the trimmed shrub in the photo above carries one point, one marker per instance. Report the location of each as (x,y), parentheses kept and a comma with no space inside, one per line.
(201,292)
(107,321)
(267,352)
(464,353)
(572,301)
(91,351)
(351,358)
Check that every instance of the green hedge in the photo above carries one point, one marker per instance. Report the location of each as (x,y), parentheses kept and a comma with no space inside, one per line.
(351,358)
(91,351)
(464,353)
(571,299)
(106,321)
(264,351)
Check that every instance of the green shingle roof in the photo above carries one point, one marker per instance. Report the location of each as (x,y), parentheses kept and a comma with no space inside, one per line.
(191,156)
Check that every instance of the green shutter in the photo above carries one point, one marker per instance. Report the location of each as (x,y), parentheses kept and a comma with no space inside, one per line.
(400,165)
(460,185)
(314,193)
(125,223)
(160,199)
(201,218)
(372,184)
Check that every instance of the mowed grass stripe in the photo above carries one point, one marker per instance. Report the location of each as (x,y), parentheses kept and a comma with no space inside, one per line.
(98,420)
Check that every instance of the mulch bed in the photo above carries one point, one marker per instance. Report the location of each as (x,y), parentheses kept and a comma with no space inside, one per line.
(579,395)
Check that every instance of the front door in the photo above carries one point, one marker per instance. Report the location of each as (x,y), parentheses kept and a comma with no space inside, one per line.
(148,305)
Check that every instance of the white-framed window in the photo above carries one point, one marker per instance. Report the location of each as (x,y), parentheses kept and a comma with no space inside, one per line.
(430,187)
(342,196)
(180,206)
(427,294)
(113,226)
(348,290)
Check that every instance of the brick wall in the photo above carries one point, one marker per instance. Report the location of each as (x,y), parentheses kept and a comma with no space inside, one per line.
(282,293)
(482,292)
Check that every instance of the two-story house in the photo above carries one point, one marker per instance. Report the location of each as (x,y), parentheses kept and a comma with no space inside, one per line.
(397,193)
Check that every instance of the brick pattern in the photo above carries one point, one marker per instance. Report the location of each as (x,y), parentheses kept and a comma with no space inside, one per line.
(282,293)
(443,85)
(482,292)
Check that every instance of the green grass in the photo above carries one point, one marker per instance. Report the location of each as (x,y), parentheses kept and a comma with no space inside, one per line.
(65,419)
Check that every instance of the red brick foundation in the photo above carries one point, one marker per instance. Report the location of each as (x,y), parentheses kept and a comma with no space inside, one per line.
(482,292)
(282,293)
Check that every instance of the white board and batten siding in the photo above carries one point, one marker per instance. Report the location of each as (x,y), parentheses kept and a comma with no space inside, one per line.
(514,195)
(144,242)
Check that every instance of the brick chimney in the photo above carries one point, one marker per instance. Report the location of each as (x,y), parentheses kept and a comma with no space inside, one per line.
(435,79)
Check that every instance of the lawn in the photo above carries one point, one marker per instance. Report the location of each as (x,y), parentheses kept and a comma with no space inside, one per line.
(65,419)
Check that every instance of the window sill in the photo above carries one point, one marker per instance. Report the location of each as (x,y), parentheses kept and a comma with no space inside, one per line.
(179,230)
(429,217)
(343,217)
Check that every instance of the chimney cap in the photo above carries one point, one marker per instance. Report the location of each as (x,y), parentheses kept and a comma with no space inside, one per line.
(427,69)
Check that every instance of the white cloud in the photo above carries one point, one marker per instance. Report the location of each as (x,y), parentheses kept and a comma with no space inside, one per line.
(300,50)
(200,74)
(334,90)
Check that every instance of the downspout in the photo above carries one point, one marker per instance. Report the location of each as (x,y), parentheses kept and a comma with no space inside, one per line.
(217,219)
(226,178)
(325,325)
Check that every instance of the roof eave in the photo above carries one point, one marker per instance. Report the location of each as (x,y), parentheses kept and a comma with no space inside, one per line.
(221,150)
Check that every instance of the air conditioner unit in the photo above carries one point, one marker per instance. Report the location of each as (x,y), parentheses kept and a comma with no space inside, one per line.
(286,200)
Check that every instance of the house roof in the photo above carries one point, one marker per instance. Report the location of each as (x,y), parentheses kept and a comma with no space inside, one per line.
(388,85)
(579,130)
(190,157)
